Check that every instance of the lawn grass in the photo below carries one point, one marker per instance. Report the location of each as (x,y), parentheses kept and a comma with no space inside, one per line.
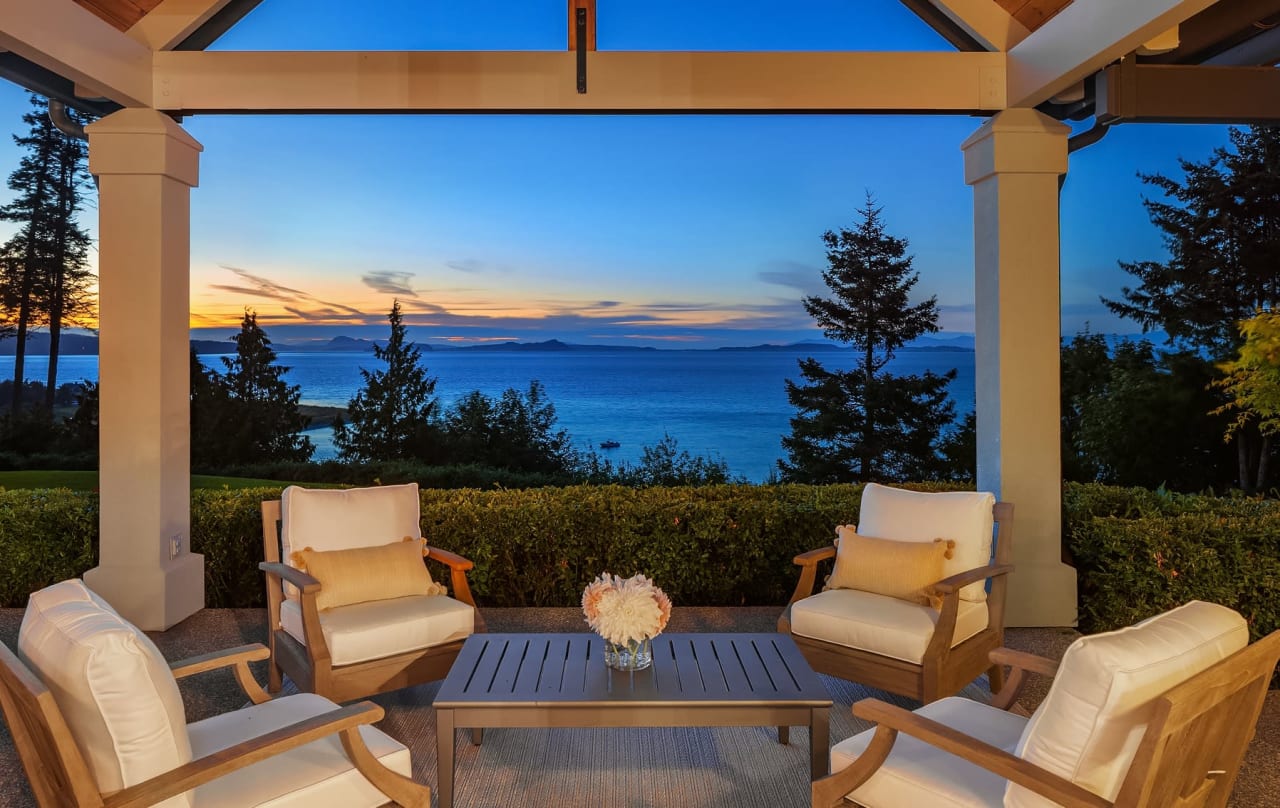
(88,480)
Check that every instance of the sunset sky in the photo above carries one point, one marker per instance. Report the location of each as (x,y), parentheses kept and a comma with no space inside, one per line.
(675,231)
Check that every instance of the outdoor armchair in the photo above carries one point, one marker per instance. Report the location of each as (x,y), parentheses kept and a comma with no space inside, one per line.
(97,719)
(1158,714)
(370,626)
(925,648)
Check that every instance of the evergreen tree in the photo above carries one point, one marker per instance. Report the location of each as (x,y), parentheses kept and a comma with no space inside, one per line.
(265,424)
(866,424)
(395,416)
(1221,226)
(210,406)
(516,432)
(43,274)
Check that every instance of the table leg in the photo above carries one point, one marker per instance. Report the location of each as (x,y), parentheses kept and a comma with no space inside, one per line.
(819,741)
(477,735)
(784,735)
(444,758)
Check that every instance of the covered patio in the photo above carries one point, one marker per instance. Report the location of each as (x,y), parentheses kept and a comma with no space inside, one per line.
(1026,67)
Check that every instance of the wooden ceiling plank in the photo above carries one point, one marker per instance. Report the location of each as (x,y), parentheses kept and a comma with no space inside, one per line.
(73,42)
(985,21)
(172,21)
(190,82)
(1082,39)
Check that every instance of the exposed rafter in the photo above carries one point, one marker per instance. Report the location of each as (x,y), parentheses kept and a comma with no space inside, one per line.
(532,81)
(1085,37)
(173,21)
(65,39)
(983,20)
(1220,27)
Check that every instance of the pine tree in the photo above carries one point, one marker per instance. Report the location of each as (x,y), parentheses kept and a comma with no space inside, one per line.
(209,415)
(44,275)
(264,423)
(866,424)
(395,416)
(1221,226)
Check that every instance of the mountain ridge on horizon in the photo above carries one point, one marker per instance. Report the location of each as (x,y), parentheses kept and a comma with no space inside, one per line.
(74,344)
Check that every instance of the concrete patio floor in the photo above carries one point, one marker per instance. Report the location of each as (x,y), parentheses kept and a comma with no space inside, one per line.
(211,629)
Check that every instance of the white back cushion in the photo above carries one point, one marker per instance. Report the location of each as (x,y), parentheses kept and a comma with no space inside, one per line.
(1089,726)
(337,519)
(965,516)
(111,684)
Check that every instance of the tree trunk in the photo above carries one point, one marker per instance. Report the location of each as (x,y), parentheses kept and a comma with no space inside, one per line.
(57,277)
(1263,464)
(1242,458)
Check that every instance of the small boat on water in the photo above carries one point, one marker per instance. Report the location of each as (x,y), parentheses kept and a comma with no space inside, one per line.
(609,444)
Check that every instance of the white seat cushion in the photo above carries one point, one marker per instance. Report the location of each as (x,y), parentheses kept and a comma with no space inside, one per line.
(383,628)
(879,624)
(964,516)
(919,774)
(344,519)
(317,775)
(1089,726)
(111,684)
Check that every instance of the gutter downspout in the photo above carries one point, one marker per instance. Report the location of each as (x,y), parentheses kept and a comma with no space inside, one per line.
(63,122)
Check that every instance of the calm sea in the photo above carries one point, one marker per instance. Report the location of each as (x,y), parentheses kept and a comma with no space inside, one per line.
(726,404)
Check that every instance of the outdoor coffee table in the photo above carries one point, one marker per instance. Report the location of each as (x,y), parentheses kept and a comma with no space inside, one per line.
(696,680)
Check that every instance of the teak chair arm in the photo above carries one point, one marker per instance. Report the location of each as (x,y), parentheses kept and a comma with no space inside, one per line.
(1020,663)
(238,657)
(305,583)
(344,720)
(890,720)
(808,564)
(452,560)
(962,579)
(458,567)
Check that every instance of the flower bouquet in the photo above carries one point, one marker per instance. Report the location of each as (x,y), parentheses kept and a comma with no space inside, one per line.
(628,613)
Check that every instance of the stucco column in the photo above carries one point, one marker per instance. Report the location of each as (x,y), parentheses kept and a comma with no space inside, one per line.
(1014,162)
(146,166)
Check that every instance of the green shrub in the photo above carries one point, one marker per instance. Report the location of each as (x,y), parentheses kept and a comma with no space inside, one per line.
(1139,552)
(46,536)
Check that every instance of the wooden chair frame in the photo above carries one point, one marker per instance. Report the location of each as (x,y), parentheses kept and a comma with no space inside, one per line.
(308,664)
(1188,758)
(60,778)
(944,670)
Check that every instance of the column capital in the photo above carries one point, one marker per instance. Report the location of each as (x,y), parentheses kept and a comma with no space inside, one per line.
(1016,141)
(143,141)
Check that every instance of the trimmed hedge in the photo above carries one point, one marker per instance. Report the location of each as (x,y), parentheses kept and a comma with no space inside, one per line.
(1137,552)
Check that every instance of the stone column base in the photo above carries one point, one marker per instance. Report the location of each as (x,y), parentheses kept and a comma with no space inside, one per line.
(1041,594)
(152,598)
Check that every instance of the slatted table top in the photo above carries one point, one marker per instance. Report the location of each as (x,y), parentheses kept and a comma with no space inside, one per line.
(568,669)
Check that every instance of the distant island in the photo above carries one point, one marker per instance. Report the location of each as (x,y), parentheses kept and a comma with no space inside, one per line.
(87,345)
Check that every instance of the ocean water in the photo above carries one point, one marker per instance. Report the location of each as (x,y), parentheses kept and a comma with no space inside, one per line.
(726,404)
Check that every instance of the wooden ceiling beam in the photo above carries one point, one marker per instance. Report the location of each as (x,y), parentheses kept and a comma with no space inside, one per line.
(538,81)
(74,43)
(1085,37)
(1188,94)
(173,21)
(984,20)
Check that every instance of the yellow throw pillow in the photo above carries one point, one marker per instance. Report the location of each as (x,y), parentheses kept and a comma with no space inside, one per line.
(368,573)
(899,569)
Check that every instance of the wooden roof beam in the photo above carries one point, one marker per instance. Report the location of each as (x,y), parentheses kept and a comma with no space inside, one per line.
(1085,37)
(1188,94)
(69,41)
(983,20)
(190,82)
(173,21)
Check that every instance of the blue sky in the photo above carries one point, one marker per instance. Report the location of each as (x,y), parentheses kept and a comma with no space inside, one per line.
(676,231)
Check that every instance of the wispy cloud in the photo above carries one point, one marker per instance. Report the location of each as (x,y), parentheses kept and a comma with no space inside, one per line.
(257,286)
(793,274)
(474,266)
(390,283)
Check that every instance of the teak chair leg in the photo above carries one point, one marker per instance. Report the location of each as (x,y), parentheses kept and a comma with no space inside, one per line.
(995,678)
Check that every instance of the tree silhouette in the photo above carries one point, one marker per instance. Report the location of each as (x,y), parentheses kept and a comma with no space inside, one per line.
(866,424)
(395,416)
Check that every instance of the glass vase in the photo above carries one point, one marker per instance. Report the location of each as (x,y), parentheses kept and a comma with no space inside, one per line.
(633,656)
